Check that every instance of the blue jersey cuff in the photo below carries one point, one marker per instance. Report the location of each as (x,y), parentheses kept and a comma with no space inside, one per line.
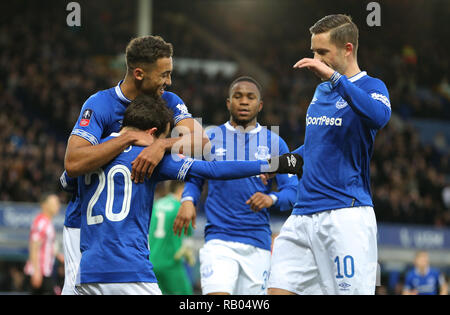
(334,79)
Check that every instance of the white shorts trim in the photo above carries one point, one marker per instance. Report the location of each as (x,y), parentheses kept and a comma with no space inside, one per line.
(234,268)
(72,257)
(127,288)
(329,252)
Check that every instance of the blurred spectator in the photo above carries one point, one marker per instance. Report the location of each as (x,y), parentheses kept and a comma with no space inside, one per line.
(12,278)
(39,267)
(424,280)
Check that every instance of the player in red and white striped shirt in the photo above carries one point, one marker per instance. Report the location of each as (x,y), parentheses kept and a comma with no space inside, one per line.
(39,266)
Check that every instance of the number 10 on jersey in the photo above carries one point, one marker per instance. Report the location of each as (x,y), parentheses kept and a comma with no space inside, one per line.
(345,267)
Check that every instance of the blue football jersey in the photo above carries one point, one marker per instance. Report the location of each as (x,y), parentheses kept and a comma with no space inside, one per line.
(101,115)
(72,214)
(228,217)
(424,284)
(341,123)
(116,213)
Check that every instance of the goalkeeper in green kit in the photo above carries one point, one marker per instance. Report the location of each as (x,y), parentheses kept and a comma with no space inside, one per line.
(167,250)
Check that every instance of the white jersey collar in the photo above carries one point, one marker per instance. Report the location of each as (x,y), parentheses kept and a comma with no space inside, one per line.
(357,76)
(254,130)
(120,94)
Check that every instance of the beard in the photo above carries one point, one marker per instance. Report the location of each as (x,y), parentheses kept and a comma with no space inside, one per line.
(242,121)
(156,91)
(151,90)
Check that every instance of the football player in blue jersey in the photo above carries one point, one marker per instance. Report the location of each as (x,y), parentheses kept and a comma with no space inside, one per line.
(329,243)
(424,280)
(236,256)
(116,211)
(149,69)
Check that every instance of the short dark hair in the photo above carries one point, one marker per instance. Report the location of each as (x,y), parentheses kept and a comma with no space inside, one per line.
(147,50)
(146,112)
(341,27)
(245,79)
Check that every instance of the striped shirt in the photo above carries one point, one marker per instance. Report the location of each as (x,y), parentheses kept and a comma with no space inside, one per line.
(43,231)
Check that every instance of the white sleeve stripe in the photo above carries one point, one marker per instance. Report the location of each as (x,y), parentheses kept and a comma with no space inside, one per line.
(184,169)
(181,117)
(274,198)
(187,198)
(85,135)
(382,98)
(335,78)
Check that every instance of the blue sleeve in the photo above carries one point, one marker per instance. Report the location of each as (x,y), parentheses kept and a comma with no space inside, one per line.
(68,184)
(194,185)
(371,103)
(286,184)
(174,167)
(192,189)
(93,117)
(223,170)
(176,104)
(299,150)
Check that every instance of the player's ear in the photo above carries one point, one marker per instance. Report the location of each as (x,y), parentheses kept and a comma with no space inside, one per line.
(228,104)
(138,74)
(151,131)
(260,106)
(348,49)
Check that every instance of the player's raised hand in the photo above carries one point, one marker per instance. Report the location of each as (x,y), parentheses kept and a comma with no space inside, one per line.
(186,215)
(259,201)
(319,68)
(146,161)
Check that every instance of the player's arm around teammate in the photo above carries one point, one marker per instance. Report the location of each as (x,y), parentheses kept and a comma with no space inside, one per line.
(149,69)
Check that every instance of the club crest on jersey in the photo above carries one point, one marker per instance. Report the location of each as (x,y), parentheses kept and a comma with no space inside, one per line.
(341,103)
(86,118)
(182,108)
(220,151)
(262,153)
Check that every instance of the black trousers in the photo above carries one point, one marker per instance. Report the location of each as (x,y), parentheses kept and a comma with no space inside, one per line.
(46,288)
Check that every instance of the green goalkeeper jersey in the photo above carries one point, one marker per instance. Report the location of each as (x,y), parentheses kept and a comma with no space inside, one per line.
(171,273)
(163,242)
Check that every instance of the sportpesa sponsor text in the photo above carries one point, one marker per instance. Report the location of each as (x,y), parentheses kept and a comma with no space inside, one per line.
(323,120)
